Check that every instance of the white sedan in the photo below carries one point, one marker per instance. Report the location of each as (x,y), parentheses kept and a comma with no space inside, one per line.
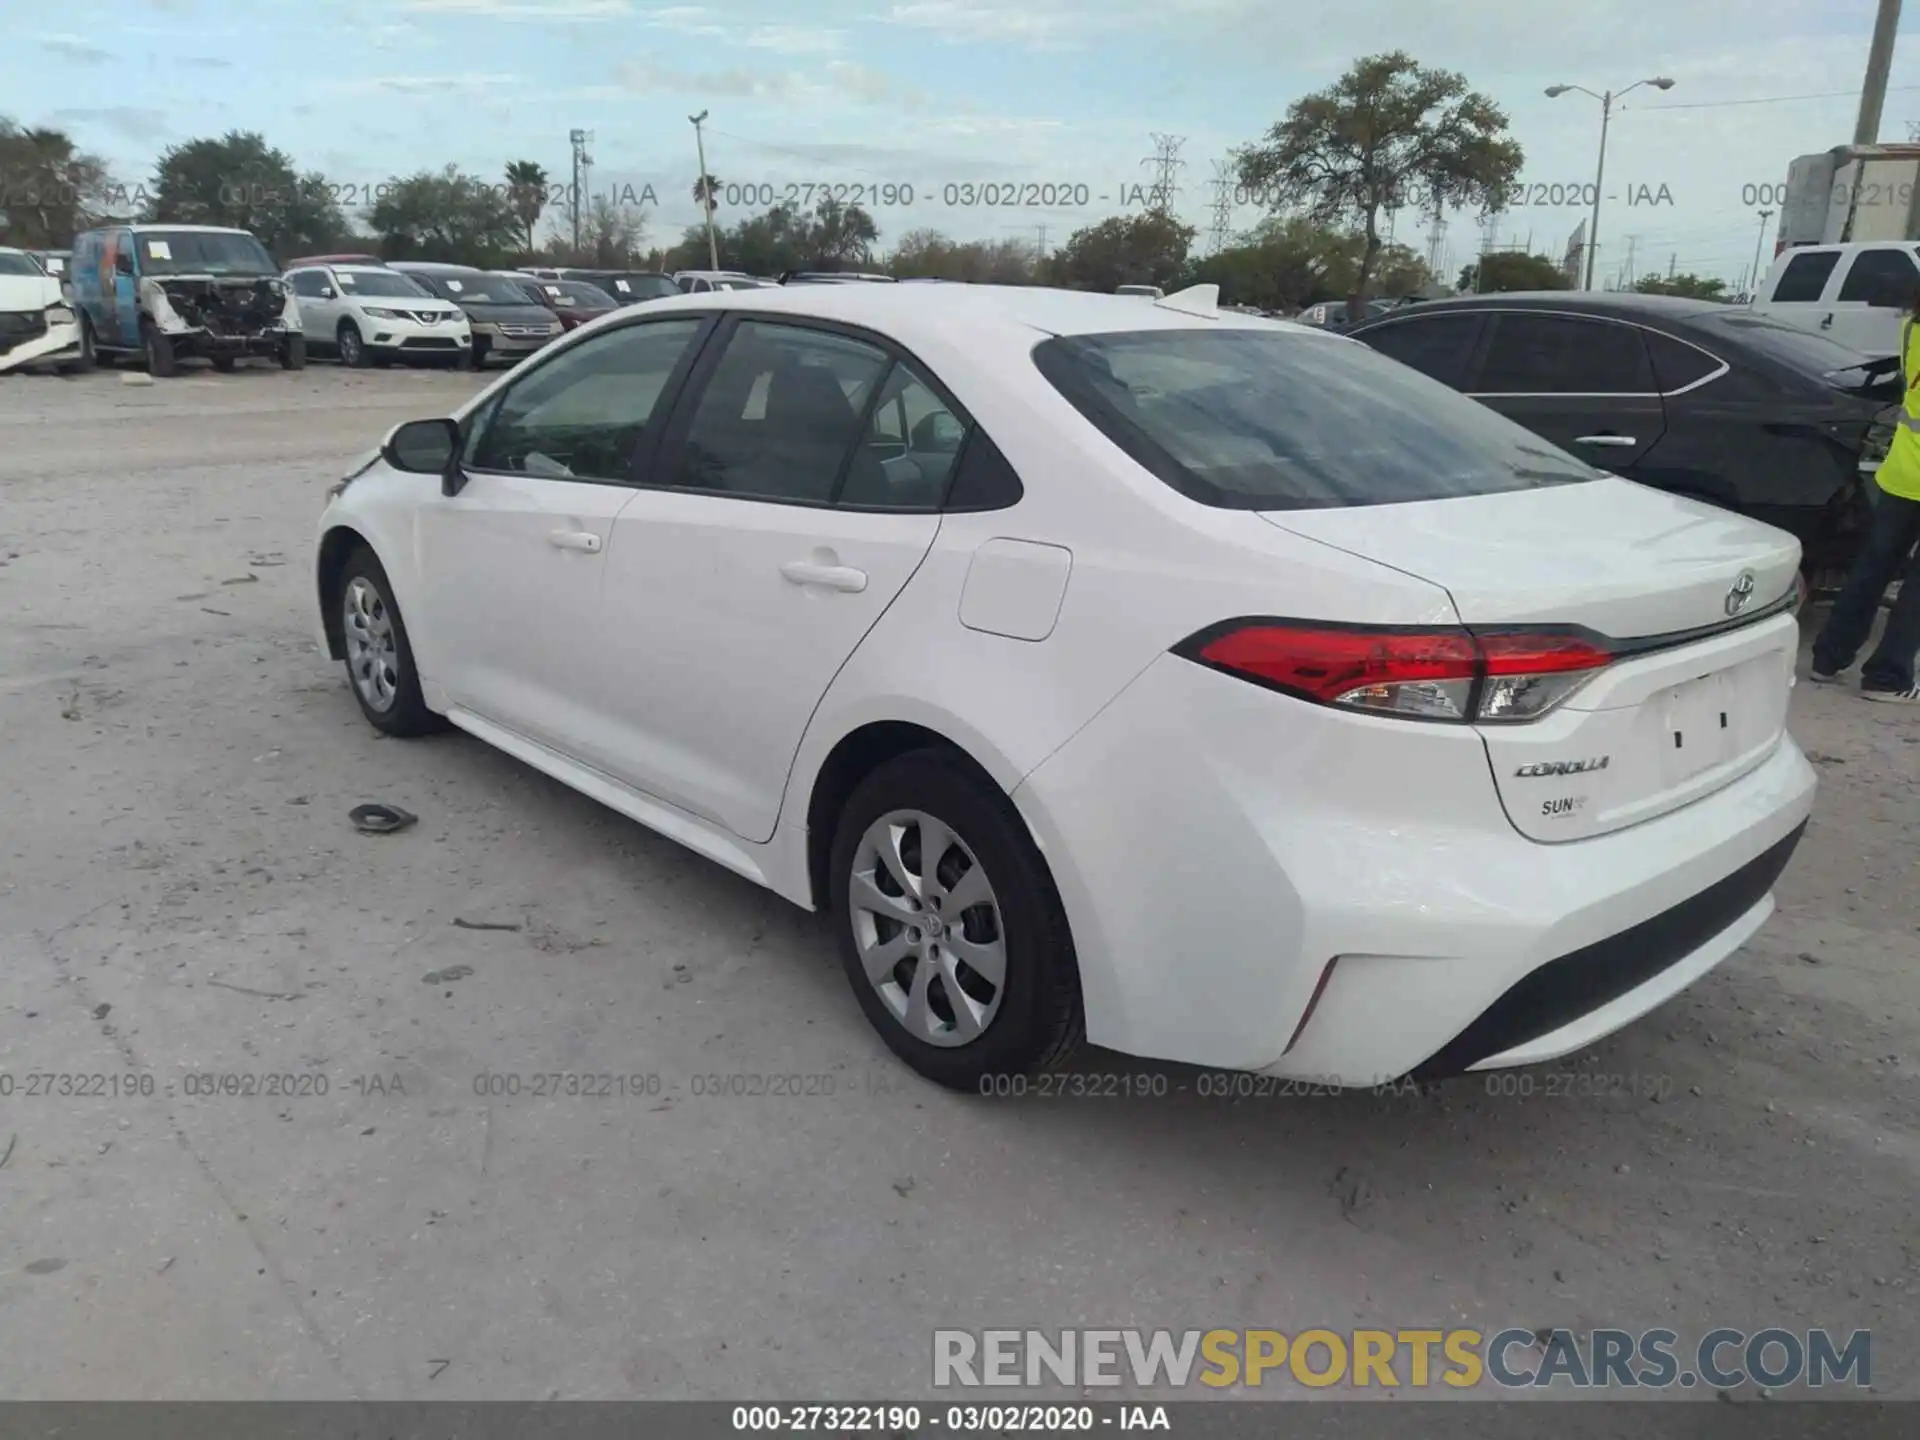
(1209,686)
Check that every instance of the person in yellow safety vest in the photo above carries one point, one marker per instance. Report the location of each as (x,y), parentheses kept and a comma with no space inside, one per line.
(1888,674)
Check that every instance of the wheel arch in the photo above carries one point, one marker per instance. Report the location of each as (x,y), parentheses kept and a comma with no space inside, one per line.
(861,751)
(335,546)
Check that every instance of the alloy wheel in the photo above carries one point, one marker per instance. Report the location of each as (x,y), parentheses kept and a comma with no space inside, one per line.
(927,926)
(373,657)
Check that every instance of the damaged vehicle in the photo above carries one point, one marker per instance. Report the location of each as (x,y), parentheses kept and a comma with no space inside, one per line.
(174,292)
(38,328)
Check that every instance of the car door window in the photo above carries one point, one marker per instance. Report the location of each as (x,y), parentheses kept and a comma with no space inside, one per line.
(1881,277)
(309,283)
(1564,355)
(780,415)
(1805,276)
(909,449)
(582,414)
(1436,345)
(1677,364)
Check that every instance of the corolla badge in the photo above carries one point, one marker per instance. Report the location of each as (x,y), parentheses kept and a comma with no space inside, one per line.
(1741,593)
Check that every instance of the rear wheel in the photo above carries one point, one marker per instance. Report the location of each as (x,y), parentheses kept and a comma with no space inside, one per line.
(477,356)
(379,656)
(950,930)
(293,352)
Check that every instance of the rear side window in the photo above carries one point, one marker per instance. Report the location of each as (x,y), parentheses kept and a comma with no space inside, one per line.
(1564,355)
(1677,364)
(1881,277)
(1435,345)
(1262,420)
(1806,276)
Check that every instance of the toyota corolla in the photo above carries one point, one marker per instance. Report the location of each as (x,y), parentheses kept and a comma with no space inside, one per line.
(1206,686)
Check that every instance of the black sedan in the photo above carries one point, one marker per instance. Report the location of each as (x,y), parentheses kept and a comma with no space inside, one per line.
(1688,396)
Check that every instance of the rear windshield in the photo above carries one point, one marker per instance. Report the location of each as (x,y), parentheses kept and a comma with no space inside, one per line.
(1257,420)
(577,294)
(1805,351)
(477,288)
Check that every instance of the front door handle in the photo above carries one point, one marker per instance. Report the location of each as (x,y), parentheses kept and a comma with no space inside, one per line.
(1826,322)
(584,540)
(1619,442)
(834,577)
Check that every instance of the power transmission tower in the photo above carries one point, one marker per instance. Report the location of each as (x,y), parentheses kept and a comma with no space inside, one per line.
(1436,236)
(1040,242)
(1223,177)
(582,163)
(1167,165)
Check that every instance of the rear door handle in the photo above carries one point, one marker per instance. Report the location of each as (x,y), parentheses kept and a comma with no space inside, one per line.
(1826,322)
(834,577)
(575,540)
(1620,442)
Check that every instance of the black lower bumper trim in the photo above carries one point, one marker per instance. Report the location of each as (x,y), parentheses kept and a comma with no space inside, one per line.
(1578,983)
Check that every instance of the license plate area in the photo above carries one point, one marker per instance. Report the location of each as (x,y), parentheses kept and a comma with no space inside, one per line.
(1710,721)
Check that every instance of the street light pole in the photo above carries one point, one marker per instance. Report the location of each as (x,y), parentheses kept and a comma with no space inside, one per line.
(1754,288)
(706,195)
(1600,169)
(1873,94)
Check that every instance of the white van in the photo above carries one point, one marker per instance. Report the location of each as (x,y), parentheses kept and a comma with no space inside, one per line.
(1856,294)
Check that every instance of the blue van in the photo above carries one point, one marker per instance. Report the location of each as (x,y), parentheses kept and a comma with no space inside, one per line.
(169,292)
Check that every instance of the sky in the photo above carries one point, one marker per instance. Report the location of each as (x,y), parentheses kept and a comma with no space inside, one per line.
(916,99)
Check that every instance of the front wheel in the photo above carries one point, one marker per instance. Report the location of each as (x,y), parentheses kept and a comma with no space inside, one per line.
(950,929)
(379,656)
(161,361)
(353,350)
(293,353)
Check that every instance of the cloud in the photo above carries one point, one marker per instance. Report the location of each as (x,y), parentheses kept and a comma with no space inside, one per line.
(72,47)
(833,86)
(533,11)
(206,62)
(796,40)
(425,85)
(1037,26)
(132,122)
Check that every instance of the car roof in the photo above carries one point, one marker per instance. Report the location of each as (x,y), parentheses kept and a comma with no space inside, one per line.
(903,313)
(1622,304)
(175,229)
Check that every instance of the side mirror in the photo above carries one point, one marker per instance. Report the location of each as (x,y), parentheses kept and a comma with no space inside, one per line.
(324,293)
(426,447)
(123,264)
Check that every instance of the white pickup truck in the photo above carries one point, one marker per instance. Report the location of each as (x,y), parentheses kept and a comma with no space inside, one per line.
(1855,294)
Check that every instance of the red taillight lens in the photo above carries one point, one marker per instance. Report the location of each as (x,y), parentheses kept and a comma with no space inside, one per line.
(1442,674)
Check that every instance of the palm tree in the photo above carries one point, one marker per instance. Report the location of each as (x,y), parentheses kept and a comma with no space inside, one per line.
(527,191)
(706,191)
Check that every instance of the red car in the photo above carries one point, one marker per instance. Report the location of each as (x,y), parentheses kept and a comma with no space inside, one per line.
(574,301)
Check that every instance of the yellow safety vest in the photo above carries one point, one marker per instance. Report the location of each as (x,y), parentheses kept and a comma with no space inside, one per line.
(1899,473)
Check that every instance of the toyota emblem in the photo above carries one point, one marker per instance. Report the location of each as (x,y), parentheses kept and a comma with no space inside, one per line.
(1741,593)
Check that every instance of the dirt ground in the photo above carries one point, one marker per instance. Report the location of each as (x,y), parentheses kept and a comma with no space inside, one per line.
(182,897)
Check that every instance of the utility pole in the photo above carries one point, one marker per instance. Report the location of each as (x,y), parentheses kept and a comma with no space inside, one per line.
(1040,242)
(1223,176)
(706,202)
(1167,165)
(1765,215)
(1632,242)
(1873,94)
(581,160)
(1672,257)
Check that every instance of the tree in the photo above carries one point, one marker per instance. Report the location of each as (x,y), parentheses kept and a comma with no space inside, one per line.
(706,191)
(240,180)
(527,193)
(1389,134)
(928,254)
(834,236)
(613,233)
(1145,249)
(1283,263)
(446,215)
(1502,271)
(50,190)
(1694,287)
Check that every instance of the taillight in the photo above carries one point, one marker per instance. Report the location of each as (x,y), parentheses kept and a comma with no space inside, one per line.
(1498,676)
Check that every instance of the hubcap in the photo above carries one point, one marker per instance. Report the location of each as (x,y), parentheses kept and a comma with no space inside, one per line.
(927,926)
(373,659)
(350,345)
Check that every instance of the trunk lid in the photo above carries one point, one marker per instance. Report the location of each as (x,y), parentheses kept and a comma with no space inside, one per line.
(1698,693)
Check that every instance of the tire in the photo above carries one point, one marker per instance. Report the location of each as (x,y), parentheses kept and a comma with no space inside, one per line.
(380,668)
(86,359)
(161,361)
(477,356)
(293,353)
(223,363)
(353,349)
(1032,1019)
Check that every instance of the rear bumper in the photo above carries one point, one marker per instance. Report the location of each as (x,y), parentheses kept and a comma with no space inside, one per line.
(1221,852)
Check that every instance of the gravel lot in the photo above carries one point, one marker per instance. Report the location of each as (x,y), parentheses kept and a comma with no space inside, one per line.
(181,895)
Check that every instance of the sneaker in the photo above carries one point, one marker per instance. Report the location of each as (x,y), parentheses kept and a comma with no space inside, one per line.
(1908,696)
(1823,677)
